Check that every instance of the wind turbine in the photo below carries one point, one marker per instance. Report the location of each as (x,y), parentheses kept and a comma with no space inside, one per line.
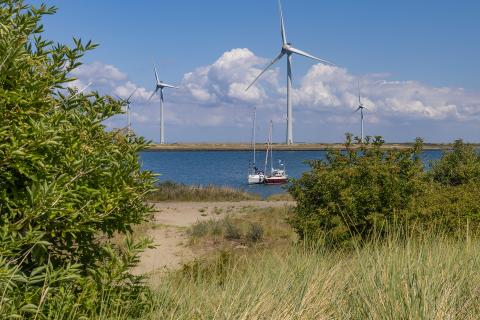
(289,50)
(127,103)
(160,85)
(360,108)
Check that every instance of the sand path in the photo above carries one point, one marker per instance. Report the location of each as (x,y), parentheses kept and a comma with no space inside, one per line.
(171,221)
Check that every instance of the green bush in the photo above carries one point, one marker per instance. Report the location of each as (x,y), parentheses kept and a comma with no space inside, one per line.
(454,210)
(360,192)
(459,166)
(66,185)
(355,192)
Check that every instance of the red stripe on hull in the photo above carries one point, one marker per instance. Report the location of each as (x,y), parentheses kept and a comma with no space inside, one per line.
(275,181)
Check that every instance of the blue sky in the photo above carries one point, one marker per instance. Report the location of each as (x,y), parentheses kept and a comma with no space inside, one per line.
(417,62)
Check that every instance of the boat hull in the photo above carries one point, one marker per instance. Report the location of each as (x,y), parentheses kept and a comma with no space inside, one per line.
(255,178)
(275,180)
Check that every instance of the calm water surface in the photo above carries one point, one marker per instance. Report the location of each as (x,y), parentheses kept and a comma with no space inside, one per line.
(230,168)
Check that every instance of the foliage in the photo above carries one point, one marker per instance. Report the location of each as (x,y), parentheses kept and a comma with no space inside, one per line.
(459,166)
(359,191)
(66,185)
(450,209)
(356,191)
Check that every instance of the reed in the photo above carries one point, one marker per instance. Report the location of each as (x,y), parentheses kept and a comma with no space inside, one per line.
(171,191)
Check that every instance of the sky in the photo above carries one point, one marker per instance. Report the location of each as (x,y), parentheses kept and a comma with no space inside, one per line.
(417,63)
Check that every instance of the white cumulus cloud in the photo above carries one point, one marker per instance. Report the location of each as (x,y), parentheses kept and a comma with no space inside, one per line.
(214,96)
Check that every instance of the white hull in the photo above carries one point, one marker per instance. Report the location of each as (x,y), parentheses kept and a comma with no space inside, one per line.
(255,178)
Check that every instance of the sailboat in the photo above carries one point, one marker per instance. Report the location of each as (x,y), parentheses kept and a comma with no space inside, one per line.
(255,176)
(276,176)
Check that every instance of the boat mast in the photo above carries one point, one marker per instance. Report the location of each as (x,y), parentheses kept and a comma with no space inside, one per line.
(271,148)
(268,146)
(253,133)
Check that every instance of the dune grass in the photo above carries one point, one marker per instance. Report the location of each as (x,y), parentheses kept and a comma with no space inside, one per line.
(430,278)
(266,226)
(280,197)
(171,191)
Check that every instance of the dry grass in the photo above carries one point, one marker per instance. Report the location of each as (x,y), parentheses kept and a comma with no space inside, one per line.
(431,278)
(255,226)
(280,197)
(171,191)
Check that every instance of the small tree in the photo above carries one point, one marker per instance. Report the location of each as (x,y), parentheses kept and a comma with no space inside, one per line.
(66,184)
(356,191)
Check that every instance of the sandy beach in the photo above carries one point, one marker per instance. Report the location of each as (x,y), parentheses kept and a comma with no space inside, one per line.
(171,221)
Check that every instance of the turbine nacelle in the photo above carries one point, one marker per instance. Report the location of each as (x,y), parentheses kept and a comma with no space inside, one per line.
(286,47)
(361,108)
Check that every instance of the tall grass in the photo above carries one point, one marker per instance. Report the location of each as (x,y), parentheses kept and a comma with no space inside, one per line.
(171,191)
(430,278)
(280,197)
(268,226)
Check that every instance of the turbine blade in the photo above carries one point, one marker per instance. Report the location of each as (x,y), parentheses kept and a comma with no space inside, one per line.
(154,92)
(119,98)
(308,55)
(128,99)
(357,109)
(84,88)
(79,92)
(359,98)
(282,23)
(166,85)
(264,70)
(156,74)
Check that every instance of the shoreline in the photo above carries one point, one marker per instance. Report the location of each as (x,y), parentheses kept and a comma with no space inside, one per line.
(282,147)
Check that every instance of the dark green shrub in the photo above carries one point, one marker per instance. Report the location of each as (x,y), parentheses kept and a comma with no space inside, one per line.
(459,166)
(355,192)
(66,185)
(453,210)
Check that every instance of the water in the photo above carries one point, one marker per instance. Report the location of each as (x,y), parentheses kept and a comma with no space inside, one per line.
(230,168)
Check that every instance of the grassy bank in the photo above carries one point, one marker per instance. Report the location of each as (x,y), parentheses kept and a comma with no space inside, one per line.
(430,278)
(171,191)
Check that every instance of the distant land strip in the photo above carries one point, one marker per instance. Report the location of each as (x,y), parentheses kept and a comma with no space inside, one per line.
(282,147)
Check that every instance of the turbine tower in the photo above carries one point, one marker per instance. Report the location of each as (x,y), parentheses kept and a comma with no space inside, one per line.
(160,85)
(289,50)
(360,108)
(127,103)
